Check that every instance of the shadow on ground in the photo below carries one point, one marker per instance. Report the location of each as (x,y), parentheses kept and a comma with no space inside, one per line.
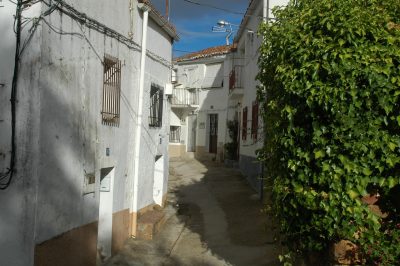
(217,204)
(214,218)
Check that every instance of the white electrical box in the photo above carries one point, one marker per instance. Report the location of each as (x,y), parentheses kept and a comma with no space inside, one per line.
(174,79)
(105,184)
(168,88)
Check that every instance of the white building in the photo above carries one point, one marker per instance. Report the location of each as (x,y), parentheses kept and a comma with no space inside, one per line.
(235,102)
(200,104)
(91,126)
(243,89)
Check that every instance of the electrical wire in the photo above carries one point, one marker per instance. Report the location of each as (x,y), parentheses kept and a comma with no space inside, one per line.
(183,51)
(6,178)
(245,14)
(214,7)
(83,20)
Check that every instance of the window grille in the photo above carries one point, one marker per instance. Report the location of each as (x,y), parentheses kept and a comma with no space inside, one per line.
(244,124)
(175,134)
(111,91)
(156,106)
(254,121)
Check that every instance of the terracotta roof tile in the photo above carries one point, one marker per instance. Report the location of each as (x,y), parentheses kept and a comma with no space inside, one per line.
(208,52)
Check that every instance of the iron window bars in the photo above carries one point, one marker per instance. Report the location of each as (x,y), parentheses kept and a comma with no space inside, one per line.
(111,91)
(156,105)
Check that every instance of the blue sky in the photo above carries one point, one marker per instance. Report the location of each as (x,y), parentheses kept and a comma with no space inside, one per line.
(194,22)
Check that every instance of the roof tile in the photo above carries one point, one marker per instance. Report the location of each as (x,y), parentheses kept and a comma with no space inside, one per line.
(208,52)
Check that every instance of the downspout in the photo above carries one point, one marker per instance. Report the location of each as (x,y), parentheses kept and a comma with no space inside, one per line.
(266,10)
(139,125)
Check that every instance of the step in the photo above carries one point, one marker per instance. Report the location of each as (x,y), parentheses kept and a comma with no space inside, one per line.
(189,155)
(149,224)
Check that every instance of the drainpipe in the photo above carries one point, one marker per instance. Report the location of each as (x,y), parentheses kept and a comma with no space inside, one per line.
(139,126)
(266,10)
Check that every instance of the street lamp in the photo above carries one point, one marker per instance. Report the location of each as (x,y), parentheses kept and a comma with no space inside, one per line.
(224,26)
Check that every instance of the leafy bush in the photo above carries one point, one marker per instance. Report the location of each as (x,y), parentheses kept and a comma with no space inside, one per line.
(330,71)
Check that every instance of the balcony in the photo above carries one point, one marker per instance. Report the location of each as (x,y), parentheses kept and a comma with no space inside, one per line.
(235,82)
(184,98)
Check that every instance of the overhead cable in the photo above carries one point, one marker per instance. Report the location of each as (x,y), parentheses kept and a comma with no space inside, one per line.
(6,178)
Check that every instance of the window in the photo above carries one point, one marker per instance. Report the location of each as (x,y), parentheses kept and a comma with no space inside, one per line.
(111,91)
(244,124)
(175,134)
(254,121)
(214,76)
(156,106)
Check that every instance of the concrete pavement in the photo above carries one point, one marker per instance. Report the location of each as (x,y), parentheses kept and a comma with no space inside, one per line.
(213,218)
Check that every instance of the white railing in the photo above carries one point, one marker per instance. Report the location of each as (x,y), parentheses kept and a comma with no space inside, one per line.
(185,97)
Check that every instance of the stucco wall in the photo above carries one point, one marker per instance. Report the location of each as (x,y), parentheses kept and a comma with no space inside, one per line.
(248,45)
(18,209)
(211,100)
(73,139)
(60,137)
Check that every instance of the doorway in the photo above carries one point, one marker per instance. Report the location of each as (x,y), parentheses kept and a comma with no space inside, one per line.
(192,125)
(104,235)
(213,118)
(158,182)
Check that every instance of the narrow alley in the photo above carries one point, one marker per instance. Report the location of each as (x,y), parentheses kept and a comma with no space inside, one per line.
(212,218)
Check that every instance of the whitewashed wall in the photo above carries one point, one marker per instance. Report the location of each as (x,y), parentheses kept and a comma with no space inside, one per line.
(59,132)
(207,75)
(247,55)
(17,216)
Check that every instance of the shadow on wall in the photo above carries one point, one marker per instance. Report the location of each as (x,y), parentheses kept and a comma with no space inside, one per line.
(209,140)
(66,226)
(66,218)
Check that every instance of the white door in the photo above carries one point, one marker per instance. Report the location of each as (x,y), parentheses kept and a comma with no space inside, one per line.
(104,234)
(192,125)
(158,185)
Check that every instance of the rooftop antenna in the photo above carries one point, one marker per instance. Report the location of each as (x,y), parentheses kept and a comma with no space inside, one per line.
(224,26)
(167,9)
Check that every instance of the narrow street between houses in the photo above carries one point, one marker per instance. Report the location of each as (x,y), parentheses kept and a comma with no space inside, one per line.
(213,218)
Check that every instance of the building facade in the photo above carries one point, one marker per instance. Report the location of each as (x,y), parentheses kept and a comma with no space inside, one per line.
(90,128)
(243,89)
(242,128)
(199,104)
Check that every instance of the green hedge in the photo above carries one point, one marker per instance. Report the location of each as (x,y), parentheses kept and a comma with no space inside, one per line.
(330,71)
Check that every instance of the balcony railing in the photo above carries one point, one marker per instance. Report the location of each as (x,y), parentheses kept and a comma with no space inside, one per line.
(235,78)
(185,97)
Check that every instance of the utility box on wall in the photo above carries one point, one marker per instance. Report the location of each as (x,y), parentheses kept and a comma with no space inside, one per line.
(89,183)
(168,89)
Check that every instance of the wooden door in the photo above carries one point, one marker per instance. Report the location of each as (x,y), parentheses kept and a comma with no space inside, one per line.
(213,118)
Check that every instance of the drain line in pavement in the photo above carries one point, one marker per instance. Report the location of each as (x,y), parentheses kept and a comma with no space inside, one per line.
(176,241)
